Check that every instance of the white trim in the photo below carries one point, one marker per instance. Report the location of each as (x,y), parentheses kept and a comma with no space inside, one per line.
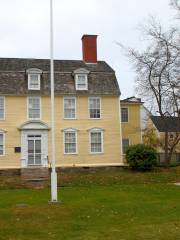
(86,81)
(39,107)
(96,130)
(29,81)
(72,130)
(89,108)
(93,63)
(34,70)
(81,71)
(78,165)
(68,97)
(100,164)
(69,130)
(34,125)
(128,115)
(4,141)
(44,144)
(3,97)
(34,138)
(120,129)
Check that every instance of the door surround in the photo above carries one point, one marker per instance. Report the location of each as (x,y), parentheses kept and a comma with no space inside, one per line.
(34,128)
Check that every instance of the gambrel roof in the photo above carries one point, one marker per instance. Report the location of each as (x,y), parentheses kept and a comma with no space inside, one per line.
(13,77)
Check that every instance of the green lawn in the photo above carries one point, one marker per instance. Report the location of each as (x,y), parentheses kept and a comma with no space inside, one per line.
(118,205)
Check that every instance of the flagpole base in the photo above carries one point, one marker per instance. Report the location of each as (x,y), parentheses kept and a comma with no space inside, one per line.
(54,186)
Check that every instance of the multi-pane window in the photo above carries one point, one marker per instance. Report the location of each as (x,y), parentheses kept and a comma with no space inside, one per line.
(34,81)
(124,114)
(70,142)
(81,82)
(69,107)
(34,107)
(1,108)
(94,107)
(125,144)
(96,141)
(1,144)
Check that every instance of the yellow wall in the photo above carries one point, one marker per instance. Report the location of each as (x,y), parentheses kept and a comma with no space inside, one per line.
(16,114)
(132,128)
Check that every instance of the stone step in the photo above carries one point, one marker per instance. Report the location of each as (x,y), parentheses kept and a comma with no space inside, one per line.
(35,173)
(37,183)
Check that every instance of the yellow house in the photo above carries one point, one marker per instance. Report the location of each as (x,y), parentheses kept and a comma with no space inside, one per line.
(131,122)
(87,119)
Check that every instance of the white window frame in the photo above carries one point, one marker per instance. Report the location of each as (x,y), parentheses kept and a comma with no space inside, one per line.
(86,81)
(97,130)
(3,118)
(74,98)
(127,113)
(29,81)
(123,146)
(89,107)
(3,134)
(70,130)
(28,107)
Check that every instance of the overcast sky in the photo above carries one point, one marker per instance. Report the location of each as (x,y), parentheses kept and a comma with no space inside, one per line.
(24,28)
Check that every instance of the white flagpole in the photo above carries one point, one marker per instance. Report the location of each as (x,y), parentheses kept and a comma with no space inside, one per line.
(53,172)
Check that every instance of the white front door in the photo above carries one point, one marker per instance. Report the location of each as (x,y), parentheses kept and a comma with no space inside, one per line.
(34,144)
(34,150)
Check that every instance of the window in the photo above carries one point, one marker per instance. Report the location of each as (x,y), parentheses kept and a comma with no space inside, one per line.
(81,82)
(2,108)
(70,141)
(34,81)
(94,107)
(125,144)
(1,144)
(69,107)
(34,109)
(96,141)
(124,114)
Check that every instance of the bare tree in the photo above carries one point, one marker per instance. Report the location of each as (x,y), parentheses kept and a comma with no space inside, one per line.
(158,73)
(176,5)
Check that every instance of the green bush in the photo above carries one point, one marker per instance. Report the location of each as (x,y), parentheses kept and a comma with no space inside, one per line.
(141,157)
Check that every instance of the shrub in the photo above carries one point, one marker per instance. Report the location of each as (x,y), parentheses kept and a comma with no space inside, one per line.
(141,157)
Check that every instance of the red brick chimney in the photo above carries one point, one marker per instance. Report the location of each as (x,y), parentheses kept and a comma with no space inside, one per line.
(89,48)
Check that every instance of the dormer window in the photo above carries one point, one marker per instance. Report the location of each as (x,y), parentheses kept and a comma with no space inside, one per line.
(81,79)
(34,79)
(81,82)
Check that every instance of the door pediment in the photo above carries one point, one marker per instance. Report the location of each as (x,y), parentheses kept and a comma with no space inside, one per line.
(34,125)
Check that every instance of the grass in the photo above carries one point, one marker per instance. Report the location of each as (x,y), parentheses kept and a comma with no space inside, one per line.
(115,205)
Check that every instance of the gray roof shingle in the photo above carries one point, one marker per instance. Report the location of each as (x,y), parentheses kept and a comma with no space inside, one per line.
(13,77)
(169,124)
